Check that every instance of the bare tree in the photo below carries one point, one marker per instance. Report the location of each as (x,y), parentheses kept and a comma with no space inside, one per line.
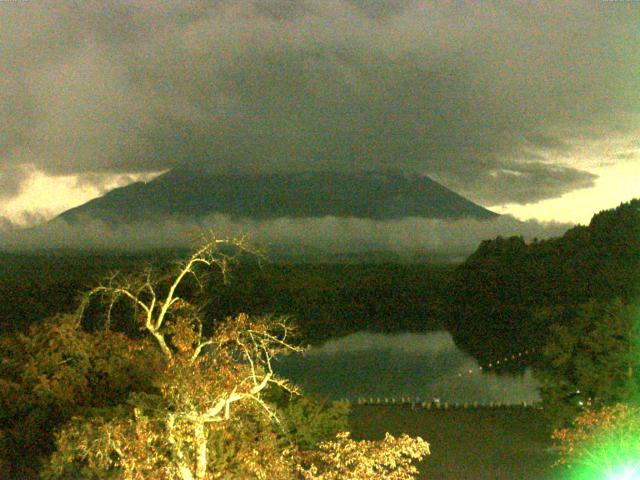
(203,377)
(207,384)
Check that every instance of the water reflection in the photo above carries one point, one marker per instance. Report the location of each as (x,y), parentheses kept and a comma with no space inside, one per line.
(419,366)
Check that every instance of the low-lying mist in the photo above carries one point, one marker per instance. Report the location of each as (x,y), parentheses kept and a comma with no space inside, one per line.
(424,366)
(328,235)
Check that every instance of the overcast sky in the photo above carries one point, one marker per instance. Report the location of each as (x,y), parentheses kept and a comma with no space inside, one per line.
(531,108)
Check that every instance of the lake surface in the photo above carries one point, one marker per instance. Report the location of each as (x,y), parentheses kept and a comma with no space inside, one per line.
(507,443)
(484,443)
(417,366)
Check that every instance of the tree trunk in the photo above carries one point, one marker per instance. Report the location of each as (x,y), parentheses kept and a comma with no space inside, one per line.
(185,473)
(201,445)
(183,468)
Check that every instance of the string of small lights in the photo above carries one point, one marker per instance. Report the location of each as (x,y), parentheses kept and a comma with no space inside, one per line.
(508,359)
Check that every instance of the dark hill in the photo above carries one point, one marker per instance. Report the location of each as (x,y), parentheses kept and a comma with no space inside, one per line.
(194,194)
(505,296)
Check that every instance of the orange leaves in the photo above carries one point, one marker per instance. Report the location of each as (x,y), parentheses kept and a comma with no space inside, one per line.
(185,337)
(610,433)
(132,446)
(242,320)
(163,409)
(347,459)
(59,369)
(207,384)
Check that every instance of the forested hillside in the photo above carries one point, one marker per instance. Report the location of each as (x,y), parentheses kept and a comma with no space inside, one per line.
(34,286)
(507,294)
(325,300)
(182,397)
(329,300)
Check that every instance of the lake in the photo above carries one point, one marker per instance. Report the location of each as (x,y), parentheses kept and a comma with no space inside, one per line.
(416,366)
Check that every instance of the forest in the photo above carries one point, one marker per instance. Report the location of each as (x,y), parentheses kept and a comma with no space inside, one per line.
(326,299)
(513,291)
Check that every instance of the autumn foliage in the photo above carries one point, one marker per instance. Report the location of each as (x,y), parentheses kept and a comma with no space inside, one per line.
(600,441)
(347,459)
(188,398)
(54,371)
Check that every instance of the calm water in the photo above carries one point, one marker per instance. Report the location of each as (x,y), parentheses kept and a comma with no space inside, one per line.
(420,366)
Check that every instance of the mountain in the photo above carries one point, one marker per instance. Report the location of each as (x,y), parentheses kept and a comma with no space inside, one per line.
(195,194)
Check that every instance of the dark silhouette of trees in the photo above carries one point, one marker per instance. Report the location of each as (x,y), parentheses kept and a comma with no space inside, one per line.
(507,294)
(590,362)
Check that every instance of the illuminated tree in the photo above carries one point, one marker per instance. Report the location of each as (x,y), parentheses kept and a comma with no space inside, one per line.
(210,415)
(347,459)
(200,384)
(601,444)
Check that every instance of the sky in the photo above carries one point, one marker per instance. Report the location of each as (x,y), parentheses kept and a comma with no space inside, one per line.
(529,108)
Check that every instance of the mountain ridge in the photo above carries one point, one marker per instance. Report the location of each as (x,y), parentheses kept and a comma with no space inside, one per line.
(197,193)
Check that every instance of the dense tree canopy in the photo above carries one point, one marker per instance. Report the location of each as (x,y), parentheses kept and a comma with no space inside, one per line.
(592,361)
(506,295)
(326,299)
(57,370)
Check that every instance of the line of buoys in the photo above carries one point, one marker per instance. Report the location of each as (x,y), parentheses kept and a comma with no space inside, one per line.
(435,404)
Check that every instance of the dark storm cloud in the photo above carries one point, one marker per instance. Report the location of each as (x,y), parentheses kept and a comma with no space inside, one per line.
(482,96)
(547,142)
(383,8)
(534,180)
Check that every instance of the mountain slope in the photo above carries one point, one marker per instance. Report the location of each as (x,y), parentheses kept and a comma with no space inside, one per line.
(189,193)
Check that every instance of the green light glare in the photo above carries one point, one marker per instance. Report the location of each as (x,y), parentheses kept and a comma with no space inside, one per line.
(626,472)
(606,471)
(613,452)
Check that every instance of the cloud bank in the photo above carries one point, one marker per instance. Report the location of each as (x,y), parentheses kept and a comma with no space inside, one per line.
(490,98)
(426,366)
(329,235)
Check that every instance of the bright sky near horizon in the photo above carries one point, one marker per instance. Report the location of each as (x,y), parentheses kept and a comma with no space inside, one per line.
(615,184)
(43,196)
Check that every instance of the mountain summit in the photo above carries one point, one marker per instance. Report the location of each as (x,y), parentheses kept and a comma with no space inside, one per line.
(195,194)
